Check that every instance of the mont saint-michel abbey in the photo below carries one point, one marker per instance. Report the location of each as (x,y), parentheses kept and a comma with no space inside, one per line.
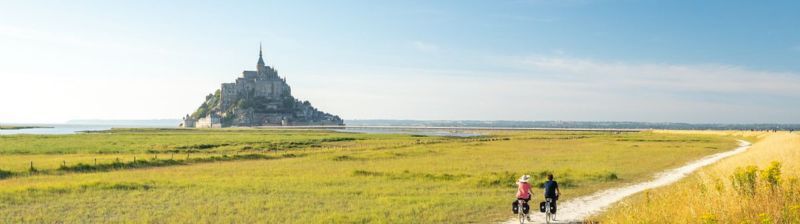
(258,98)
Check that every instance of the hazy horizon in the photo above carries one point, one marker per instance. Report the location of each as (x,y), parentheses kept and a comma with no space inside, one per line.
(347,121)
(641,61)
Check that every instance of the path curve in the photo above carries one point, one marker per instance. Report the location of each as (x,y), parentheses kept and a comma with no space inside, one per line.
(577,209)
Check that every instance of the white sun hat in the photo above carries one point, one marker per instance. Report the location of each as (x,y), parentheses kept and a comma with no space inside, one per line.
(524,178)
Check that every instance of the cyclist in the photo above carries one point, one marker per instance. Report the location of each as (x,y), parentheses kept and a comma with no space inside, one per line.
(551,192)
(524,188)
(523,191)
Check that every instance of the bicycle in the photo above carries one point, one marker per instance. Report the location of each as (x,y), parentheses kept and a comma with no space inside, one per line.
(522,215)
(548,215)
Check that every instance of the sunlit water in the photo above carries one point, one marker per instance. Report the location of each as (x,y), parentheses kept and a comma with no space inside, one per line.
(60,129)
(411,131)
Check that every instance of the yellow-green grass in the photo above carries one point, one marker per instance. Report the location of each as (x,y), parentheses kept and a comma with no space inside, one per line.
(167,140)
(48,162)
(374,178)
(711,195)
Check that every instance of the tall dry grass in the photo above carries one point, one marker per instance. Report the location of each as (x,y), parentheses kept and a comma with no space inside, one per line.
(758,186)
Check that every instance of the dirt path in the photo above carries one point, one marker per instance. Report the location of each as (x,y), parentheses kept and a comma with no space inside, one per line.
(576,210)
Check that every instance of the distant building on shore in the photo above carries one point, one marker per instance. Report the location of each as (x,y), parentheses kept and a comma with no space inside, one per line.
(258,98)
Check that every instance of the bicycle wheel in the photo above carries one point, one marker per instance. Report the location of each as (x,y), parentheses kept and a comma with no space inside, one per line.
(547,217)
(547,214)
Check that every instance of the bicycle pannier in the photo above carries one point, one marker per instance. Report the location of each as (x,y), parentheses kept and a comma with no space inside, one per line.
(515,207)
(525,208)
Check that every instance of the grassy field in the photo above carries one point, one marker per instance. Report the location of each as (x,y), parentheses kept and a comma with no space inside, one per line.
(758,186)
(316,176)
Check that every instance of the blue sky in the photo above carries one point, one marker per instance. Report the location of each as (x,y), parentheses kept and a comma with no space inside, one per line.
(679,61)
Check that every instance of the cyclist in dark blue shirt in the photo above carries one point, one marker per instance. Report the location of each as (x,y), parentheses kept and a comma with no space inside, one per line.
(551,191)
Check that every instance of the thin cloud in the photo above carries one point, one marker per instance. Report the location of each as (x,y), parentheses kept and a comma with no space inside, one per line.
(425,47)
(668,77)
(479,95)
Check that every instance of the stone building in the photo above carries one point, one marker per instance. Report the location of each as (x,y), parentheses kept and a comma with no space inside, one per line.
(257,98)
(209,121)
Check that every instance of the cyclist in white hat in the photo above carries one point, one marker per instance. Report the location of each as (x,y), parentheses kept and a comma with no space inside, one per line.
(524,188)
(523,195)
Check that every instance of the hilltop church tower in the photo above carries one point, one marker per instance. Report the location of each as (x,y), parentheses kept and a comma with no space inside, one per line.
(261,67)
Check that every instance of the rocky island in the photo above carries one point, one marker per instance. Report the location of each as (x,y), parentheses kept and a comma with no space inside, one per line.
(257,98)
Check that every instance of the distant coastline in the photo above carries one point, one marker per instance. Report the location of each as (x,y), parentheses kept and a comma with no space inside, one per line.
(10,127)
(572,124)
(75,126)
(81,126)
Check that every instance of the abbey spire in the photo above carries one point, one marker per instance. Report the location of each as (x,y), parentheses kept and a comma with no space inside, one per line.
(260,66)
